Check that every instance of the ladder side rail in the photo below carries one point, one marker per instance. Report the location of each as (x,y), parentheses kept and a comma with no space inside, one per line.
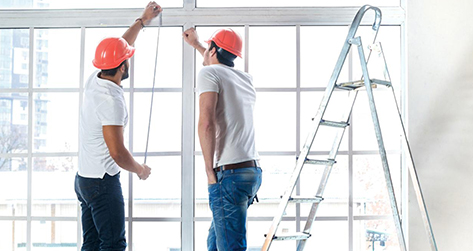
(416,185)
(382,150)
(412,168)
(328,169)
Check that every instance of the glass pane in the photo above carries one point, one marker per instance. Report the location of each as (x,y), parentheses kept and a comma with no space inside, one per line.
(51,178)
(275,121)
(310,102)
(156,236)
(267,59)
(13,178)
(328,235)
(55,122)
(320,49)
(93,36)
(13,123)
(54,235)
(206,32)
(200,234)
(375,235)
(364,137)
(169,67)
(165,132)
(60,4)
(160,194)
(14,58)
(13,235)
(51,67)
(369,184)
(335,196)
(276,175)
(389,37)
(295,3)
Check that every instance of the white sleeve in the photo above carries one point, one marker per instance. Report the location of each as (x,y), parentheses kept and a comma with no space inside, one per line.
(207,81)
(112,112)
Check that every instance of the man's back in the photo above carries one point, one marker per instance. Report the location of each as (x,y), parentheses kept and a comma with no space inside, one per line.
(235,136)
(103,104)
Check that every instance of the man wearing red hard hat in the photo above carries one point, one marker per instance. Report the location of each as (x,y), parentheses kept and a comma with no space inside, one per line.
(101,148)
(226,132)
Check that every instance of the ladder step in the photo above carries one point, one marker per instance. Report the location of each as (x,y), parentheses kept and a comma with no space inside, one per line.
(381,82)
(292,236)
(328,162)
(334,123)
(352,85)
(299,199)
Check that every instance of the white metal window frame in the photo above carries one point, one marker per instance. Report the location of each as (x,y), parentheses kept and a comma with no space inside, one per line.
(190,16)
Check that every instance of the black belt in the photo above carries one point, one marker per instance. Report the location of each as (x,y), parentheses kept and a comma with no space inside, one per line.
(244,164)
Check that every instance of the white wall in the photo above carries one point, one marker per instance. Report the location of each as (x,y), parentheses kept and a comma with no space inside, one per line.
(440,58)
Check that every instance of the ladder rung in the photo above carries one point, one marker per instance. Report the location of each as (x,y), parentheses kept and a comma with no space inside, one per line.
(292,236)
(299,199)
(334,123)
(320,162)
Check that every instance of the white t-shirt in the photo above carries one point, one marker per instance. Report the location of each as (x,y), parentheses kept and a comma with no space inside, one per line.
(103,104)
(235,133)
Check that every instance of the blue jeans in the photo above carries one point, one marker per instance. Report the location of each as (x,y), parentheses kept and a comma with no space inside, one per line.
(103,213)
(229,200)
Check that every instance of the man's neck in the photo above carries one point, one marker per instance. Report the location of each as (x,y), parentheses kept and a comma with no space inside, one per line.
(114,79)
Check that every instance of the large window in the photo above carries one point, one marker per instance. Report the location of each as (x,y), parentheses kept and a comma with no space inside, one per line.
(89,4)
(42,75)
(295,3)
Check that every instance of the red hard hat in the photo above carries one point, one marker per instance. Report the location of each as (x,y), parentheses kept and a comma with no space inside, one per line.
(228,40)
(111,52)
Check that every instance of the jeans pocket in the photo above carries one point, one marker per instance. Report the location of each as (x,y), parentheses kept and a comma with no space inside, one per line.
(212,188)
(214,195)
(241,191)
(89,189)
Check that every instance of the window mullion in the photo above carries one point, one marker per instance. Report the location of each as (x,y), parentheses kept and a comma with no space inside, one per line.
(130,147)
(188,163)
(189,4)
(81,94)
(298,118)
(30,138)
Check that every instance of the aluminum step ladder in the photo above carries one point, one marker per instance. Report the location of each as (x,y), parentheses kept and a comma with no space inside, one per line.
(353,87)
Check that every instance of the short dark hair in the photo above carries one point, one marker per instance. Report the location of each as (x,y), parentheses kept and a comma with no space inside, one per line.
(111,72)
(223,56)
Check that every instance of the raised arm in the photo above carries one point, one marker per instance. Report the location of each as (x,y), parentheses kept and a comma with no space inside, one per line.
(151,11)
(191,37)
